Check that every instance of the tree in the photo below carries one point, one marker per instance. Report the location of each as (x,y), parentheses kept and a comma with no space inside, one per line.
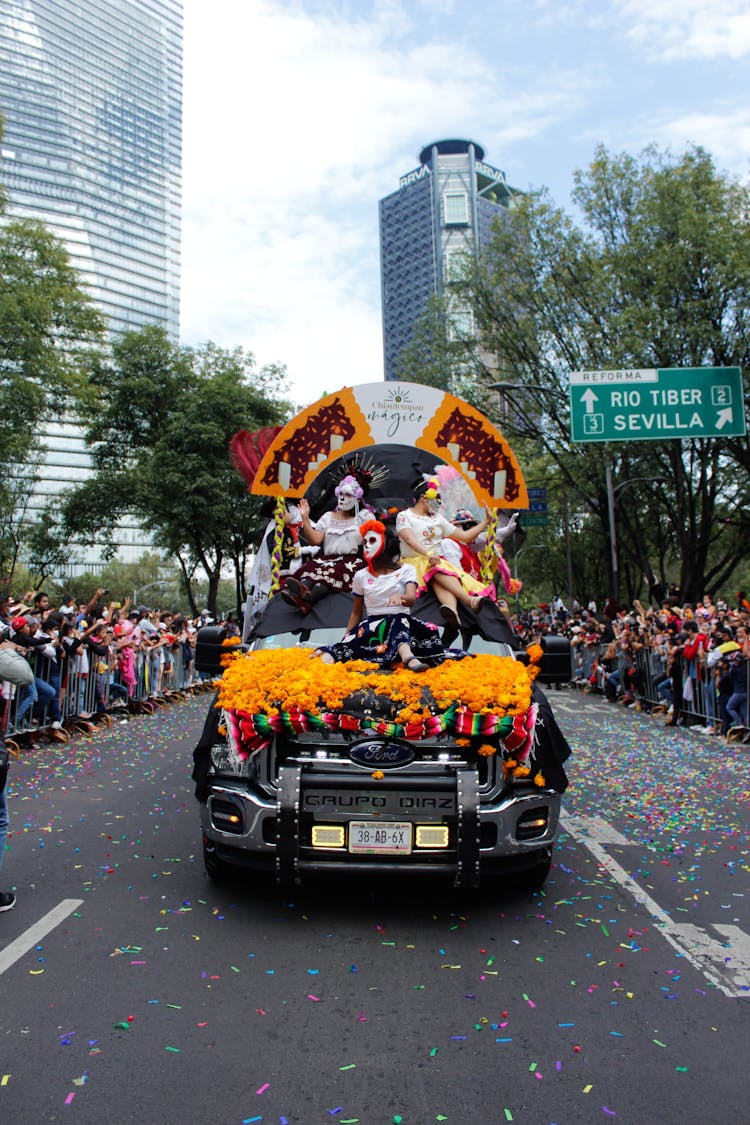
(47,326)
(48,330)
(47,547)
(657,275)
(160,451)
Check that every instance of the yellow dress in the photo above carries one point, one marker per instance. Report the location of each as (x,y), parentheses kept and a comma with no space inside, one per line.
(429,531)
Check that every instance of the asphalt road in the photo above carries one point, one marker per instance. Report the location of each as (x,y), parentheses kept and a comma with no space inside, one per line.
(147,994)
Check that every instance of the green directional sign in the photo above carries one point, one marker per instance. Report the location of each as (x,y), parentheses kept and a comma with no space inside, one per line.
(656,404)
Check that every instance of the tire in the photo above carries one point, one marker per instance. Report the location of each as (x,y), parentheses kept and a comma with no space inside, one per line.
(217,870)
(535,878)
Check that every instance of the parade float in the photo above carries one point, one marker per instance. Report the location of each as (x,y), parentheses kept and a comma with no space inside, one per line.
(308,767)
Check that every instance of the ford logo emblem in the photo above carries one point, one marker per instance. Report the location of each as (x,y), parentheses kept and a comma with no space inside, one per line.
(381,753)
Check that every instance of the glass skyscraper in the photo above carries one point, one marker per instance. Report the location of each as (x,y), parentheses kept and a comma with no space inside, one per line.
(91,99)
(91,95)
(442,210)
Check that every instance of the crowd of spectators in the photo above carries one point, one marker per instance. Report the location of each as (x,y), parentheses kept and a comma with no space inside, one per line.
(687,659)
(86,658)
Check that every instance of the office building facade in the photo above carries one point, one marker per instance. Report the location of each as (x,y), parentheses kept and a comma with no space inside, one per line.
(442,211)
(91,100)
(91,96)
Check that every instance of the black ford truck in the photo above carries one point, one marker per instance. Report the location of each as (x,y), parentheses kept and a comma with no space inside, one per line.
(357,791)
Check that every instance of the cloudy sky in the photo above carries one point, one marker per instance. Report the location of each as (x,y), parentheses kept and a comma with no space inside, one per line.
(299,115)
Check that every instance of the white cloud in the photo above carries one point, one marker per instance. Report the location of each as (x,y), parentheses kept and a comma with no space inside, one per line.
(296,121)
(689,29)
(725,134)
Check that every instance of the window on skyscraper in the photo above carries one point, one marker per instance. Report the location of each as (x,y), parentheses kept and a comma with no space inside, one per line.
(456,208)
(460,322)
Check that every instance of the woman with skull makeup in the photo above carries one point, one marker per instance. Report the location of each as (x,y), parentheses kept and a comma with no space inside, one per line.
(380,627)
(338,533)
(420,529)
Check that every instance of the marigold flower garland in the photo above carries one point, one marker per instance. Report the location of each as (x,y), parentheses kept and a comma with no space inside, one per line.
(274,681)
(291,690)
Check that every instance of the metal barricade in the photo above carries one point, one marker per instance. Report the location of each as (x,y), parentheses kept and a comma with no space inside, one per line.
(86,687)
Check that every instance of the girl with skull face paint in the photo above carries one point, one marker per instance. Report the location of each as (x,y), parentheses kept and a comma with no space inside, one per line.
(380,627)
(337,532)
(420,529)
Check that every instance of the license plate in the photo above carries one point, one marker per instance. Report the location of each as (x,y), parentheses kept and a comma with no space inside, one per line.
(379,839)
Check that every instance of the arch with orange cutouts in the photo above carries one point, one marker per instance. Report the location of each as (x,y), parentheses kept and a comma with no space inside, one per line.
(407,414)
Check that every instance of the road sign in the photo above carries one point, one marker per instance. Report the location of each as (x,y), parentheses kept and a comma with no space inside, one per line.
(533,519)
(537,493)
(656,404)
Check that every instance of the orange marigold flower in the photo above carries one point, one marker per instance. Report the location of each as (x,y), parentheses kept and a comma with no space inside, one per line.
(378,775)
(522,771)
(535,653)
(539,780)
(487,750)
(277,680)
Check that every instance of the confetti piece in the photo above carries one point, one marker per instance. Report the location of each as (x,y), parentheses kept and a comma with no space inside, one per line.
(315,999)
(263,1088)
(69,1098)
(174,1050)
(349,1066)
(433,1052)
(508,1115)
(609,1112)
(250,1120)
(658,1042)
(588,1089)
(6,1078)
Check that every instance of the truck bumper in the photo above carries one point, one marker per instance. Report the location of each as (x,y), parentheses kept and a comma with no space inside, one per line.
(515,832)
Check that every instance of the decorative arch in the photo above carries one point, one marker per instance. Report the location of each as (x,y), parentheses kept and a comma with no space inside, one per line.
(407,414)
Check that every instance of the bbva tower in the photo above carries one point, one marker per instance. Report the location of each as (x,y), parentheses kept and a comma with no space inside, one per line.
(442,210)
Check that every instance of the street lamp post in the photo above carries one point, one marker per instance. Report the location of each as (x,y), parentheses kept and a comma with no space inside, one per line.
(611,494)
(516,557)
(148,586)
(550,392)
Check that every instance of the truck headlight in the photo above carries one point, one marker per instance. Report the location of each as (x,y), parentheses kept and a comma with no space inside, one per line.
(224,760)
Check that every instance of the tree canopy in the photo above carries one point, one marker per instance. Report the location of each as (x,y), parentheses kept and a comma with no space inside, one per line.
(48,330)
(654,271)
(159,446)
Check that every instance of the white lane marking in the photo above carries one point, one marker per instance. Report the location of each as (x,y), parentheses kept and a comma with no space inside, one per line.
(595,828)
(728,970)
(739,944)
(31,937)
